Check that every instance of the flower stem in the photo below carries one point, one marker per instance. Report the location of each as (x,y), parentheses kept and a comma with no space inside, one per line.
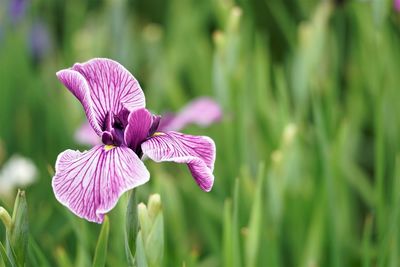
(131,228)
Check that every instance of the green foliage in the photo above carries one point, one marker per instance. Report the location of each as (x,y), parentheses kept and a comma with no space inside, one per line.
(131,228)
(150,237)
(100,255)
(307,168)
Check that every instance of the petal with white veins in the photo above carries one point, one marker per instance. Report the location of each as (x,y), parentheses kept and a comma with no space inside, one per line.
(198,152)
(90,183)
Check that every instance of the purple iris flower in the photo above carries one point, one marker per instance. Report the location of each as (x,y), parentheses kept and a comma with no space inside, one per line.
(39,41)
(202,111)
(397,5)
(89,183)
(17,9)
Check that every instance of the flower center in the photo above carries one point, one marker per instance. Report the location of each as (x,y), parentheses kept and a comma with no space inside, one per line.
(157,134)
(108,147)
(114,127)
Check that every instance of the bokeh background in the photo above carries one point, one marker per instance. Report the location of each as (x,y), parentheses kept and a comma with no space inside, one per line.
(307,170)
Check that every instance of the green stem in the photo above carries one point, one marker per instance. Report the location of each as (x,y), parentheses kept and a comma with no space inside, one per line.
(131,228)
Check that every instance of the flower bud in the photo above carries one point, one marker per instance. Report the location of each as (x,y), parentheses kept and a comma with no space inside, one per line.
(18,234)
(6,218)
(154,206)
(150,240)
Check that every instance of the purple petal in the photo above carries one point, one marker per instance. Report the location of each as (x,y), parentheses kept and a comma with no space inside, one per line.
(79,87)
(86,136)
(111,86)
(90,183)
(397,5)
(196,151)
(139,124)
(155,124)
(202,111)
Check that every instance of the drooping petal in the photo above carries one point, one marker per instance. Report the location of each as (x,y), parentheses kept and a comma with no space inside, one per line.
(198,152)
(139,124)
(202,111)
(90,183)
(86,136)
(79,87)
(111,86)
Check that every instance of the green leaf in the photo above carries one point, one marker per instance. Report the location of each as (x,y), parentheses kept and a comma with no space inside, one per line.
(35,254)
(4,256)
(367,241)
(155,242)
(140,255)
(235,227)
(100,255)
(227,233)
(131,228)
(253,237)
(17,237)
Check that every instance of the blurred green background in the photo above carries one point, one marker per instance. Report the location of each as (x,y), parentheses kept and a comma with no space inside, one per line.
(308,164)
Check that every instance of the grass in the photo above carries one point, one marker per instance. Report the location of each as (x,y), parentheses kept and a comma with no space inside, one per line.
(307,169)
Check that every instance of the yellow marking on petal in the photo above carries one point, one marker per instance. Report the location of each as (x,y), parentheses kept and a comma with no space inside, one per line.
(157,134)
(108,147)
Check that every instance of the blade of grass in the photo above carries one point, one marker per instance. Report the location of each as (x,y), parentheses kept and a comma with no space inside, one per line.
(35,253)
(253,236)
(6,260)
(367,242)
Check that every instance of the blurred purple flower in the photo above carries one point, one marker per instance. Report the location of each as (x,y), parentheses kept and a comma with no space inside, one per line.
(397,5)
(89,183)
(39,41)
(202,111)
(17,9)
(85,135)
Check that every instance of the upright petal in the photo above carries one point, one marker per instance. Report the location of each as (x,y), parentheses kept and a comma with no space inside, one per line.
(198,152)
(139,125)
(112,87)
(90,183)
(79,87)
(86,136)
(202,111)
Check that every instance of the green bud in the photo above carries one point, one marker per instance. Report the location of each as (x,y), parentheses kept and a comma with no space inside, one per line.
(154,206)
(6,218)
(154,244)
(17,236)
(144,219)
(150,241)
(234,19)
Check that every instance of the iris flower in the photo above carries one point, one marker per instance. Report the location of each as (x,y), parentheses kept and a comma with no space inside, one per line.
(39,41)
(202,111)
(17,9)
(90,183)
